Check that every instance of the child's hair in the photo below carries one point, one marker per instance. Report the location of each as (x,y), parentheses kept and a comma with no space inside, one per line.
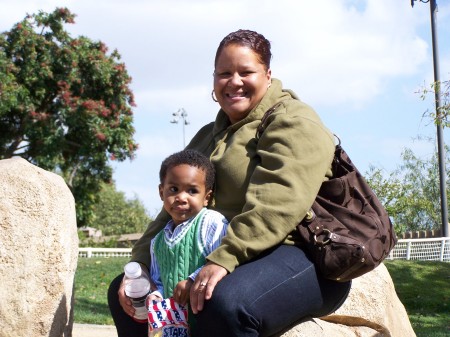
(191,158)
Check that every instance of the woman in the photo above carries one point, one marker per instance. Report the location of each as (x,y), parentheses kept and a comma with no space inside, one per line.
(257,282)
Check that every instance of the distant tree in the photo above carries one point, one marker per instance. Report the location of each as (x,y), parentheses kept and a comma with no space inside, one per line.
(65,105)
(390,192)
(116,215)
(411,193)
(442,115)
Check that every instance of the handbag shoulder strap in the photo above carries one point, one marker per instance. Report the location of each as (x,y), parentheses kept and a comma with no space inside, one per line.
(264,120)
(357,321)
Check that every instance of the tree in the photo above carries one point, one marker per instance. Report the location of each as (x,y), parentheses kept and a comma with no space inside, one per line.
(410,193)
(65,105)
(115,214)
(389,190)
(442,116)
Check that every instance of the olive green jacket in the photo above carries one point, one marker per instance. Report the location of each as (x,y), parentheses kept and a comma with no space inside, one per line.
(263,187)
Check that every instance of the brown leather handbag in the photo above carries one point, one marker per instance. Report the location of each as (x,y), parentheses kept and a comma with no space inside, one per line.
(347,231)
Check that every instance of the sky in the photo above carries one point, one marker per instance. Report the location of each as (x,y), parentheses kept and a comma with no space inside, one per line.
(359,63)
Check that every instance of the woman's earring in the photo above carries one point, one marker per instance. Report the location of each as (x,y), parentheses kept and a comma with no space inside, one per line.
(213,96)
(268,86)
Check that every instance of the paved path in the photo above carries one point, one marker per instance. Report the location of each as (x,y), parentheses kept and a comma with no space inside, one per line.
(92,330)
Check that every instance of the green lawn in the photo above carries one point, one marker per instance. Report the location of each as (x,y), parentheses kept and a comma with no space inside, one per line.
(92,280)
(423,287)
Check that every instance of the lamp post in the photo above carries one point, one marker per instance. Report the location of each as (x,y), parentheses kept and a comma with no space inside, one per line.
(180,114)
(437,96)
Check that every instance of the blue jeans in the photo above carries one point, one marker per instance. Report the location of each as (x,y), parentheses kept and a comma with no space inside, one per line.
(260,298)
(269,294)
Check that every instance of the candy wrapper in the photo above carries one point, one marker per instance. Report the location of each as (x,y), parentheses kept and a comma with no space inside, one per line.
(167,319)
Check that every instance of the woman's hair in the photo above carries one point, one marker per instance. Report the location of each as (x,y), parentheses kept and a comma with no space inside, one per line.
(191,158)
(248,38)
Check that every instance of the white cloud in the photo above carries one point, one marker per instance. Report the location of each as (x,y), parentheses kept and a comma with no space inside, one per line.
(348,52)
(351,53)
(361,59)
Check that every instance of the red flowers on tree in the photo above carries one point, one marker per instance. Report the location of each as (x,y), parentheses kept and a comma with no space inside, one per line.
(65,104)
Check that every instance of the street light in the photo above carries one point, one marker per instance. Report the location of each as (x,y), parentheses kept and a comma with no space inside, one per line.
(437,95)
(180,114)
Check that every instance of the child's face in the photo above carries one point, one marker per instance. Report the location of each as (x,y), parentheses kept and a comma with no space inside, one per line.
(183,192)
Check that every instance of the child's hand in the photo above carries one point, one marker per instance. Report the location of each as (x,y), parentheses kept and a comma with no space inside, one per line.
(181,291)
(152,297)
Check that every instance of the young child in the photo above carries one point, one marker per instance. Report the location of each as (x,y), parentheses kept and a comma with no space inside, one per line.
(178,252)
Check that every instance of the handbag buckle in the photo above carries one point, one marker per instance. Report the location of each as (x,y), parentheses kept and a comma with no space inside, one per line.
(327,234)
(310,216)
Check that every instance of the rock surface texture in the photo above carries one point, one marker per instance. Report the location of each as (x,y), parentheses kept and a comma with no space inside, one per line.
(38,251)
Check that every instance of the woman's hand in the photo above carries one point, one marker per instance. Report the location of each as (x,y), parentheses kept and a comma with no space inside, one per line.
(124,301)
(182,290)
(204,285)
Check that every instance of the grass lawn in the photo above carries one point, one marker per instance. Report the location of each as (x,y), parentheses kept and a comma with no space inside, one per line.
(92,280)
(424,289)
(422,286)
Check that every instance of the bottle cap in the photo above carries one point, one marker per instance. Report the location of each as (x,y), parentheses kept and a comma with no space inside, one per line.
(133,270)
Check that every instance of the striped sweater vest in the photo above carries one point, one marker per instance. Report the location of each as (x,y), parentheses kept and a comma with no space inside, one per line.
(180,256)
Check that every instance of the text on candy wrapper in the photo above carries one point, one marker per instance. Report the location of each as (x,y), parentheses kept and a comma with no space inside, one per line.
(174,331)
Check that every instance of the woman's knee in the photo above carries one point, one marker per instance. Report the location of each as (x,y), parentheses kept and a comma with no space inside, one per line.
(334,295)
(113,297)
(115,284)
(223,315)
(222,304)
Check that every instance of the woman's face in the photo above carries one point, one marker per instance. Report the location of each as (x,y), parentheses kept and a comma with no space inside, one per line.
(240,81)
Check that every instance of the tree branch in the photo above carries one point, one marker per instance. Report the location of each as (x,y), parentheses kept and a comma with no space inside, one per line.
(72,175)
(13,147)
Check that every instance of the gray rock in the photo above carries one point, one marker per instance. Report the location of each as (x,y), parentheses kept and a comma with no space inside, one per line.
(38,251)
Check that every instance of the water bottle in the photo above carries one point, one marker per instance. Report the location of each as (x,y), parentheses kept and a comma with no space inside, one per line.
(137,287)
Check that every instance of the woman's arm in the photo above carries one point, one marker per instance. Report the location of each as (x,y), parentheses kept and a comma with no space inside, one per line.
(141,249)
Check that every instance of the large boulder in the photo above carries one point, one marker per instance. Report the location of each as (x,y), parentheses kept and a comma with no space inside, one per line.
(38,251)
(372,309)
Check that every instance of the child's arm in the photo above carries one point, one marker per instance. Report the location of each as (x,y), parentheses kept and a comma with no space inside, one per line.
(213,230)
(155,277)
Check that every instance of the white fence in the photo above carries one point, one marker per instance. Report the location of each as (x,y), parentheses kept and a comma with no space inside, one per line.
(436,249)
(104,252)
